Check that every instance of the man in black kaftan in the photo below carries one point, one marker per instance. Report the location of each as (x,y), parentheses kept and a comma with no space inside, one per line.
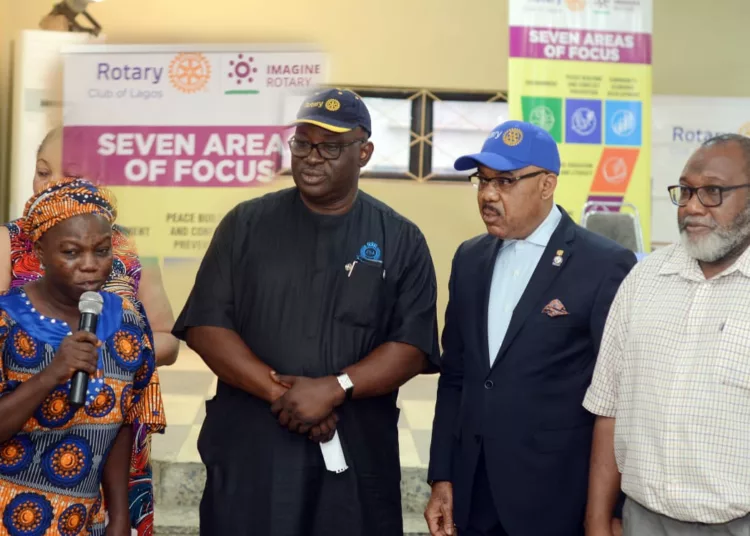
(312,305)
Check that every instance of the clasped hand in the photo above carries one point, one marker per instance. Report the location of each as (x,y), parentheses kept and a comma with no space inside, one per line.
(307,405)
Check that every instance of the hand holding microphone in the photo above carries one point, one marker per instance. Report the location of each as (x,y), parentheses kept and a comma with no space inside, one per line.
(77,355)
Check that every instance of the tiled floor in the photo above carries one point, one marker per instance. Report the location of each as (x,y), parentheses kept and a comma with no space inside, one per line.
(188,383)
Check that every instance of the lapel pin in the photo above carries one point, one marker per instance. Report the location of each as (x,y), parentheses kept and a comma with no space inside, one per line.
(557,261)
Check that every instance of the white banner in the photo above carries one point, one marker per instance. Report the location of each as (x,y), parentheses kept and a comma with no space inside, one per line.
(178,86)
(181,133)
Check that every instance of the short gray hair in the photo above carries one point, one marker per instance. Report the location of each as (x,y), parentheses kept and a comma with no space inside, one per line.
(742,141)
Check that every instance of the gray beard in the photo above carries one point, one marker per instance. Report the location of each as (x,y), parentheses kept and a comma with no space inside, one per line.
(720,242)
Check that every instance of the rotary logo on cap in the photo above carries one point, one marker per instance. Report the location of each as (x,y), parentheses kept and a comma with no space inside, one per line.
(336,111)
(514,145)
(513,136)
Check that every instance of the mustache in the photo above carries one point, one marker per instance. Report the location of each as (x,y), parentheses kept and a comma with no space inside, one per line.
(497,210)
(706,221)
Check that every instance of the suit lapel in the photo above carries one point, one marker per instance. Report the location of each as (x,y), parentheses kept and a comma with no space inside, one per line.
(486,267)
(544,276)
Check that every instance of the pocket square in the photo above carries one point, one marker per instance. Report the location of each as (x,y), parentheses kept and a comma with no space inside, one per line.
(555,308)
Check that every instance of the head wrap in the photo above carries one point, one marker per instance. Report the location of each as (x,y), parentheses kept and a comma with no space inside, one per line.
(65,199)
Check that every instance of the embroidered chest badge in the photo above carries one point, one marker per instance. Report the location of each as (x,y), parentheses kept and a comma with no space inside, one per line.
(370,252)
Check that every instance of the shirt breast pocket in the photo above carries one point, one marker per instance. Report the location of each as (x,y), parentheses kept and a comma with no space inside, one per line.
(361,295)
(733,363)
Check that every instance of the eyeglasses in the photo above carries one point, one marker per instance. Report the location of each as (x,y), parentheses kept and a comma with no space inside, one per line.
(481,182)
(327,150)
(709,196)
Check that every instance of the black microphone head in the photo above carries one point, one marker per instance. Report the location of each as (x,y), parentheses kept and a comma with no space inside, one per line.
(91,302)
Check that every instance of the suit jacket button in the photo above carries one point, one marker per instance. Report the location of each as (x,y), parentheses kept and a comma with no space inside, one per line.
(489,384)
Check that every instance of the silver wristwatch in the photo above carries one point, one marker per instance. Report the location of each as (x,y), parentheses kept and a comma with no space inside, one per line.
(346,384)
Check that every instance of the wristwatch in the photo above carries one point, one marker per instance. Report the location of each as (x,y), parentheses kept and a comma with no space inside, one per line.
(346,384)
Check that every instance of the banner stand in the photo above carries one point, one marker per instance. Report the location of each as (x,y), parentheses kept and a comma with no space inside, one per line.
(581,69)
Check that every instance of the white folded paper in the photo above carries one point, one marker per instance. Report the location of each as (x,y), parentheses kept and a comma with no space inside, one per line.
(333,455)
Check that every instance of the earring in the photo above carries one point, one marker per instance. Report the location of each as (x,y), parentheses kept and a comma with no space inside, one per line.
(41,266)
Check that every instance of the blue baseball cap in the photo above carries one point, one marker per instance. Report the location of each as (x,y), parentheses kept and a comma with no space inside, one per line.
(515,145)
(337,110)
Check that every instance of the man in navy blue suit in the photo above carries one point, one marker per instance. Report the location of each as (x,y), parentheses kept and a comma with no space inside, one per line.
(527,306)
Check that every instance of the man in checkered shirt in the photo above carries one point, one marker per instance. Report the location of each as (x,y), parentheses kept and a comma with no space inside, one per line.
(671,387)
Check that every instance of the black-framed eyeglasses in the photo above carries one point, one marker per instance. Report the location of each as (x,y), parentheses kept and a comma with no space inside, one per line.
(327,150)
(709,196)
(481,182)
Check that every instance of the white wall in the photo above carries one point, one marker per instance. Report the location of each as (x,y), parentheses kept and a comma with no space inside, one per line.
(37,103)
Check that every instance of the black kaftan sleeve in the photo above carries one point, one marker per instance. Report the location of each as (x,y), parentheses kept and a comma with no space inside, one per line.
(414,320)
(211,302)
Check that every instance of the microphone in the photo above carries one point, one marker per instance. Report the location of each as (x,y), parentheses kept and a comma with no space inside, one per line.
(90,305)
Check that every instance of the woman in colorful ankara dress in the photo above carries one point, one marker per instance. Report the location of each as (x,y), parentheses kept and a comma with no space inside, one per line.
(143,286)
(60,465)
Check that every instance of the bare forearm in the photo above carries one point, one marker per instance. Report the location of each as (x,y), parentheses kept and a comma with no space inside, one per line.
(604,477)
(167,347)
(115,478)
(155,302)
(18,406)
(227,355)
(386,369)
